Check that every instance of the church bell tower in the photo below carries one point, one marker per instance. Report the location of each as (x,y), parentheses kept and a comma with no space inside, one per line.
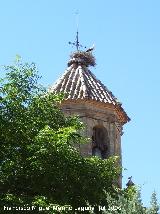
(97,107)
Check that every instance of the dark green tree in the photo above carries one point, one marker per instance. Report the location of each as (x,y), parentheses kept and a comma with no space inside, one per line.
(39,163)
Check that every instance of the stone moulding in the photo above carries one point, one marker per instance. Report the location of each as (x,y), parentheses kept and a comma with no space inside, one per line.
(120,114)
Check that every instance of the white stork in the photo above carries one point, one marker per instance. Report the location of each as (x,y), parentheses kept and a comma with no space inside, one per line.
(91,48)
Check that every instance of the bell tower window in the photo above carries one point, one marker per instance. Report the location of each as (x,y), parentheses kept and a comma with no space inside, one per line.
(100,142)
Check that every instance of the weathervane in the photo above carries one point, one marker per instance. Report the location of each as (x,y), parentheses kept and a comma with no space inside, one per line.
(77,43)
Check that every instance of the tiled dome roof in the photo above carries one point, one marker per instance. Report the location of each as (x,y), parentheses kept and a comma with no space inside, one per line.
(78,82)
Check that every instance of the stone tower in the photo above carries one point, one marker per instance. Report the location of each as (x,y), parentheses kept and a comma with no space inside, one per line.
(97,107)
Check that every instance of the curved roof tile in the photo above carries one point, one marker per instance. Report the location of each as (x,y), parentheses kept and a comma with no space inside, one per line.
(78,82)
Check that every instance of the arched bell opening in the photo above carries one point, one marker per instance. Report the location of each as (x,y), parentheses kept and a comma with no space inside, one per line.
(100,142)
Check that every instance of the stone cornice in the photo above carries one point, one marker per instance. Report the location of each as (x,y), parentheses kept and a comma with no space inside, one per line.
(111,112)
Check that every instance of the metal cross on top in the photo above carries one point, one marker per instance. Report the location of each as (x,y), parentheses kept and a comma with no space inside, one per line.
(76,43)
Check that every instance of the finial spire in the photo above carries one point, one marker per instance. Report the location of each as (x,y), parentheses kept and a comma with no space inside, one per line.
(77,40)
(77,19)
(77,43)
(77,34)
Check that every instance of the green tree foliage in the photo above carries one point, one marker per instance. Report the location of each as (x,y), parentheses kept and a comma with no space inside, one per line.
(39,163)
(154,204)
(128,202)
(40,167)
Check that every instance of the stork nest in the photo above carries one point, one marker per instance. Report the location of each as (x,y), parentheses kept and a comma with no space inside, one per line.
(82,58)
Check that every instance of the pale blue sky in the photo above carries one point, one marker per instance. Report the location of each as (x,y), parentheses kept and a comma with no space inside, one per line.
(127,38)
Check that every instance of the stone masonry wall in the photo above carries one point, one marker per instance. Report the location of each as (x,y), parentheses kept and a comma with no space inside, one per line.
(96,115)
